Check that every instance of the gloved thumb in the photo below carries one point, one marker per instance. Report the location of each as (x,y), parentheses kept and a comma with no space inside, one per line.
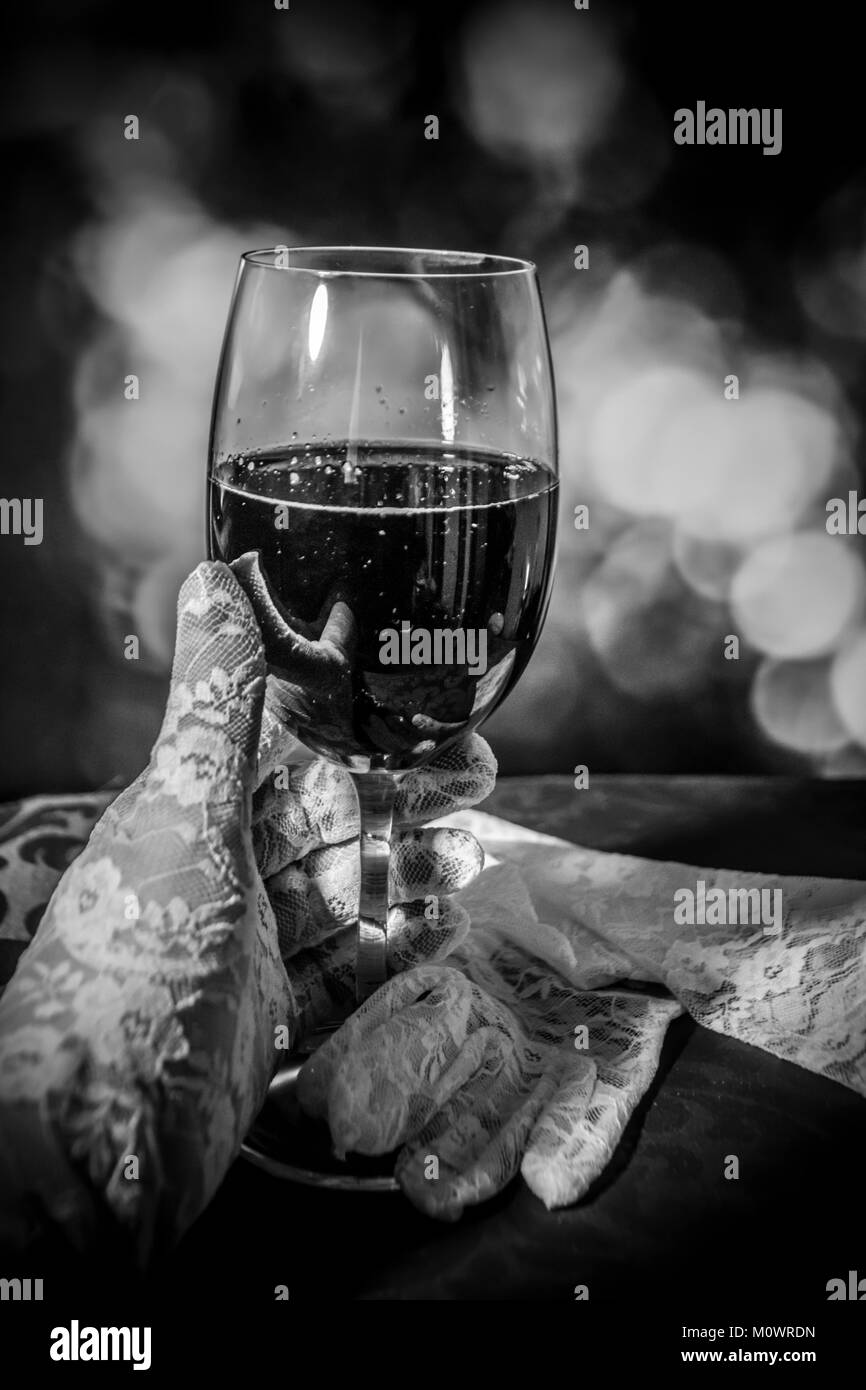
(208,745)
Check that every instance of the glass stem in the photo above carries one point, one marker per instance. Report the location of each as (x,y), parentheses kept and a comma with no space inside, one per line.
(376,794)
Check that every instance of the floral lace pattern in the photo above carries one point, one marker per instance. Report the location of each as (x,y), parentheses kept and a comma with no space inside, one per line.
(531,1048)
(798,992)
(213,907)
(207,914)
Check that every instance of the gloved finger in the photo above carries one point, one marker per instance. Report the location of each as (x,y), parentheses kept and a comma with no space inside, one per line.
(403,990)
(387,1091)
(323,978)
(322,981)
(575,1136)
(473,1147)
(461,775)
(217,681)
(436,860)
(206,751)
(562,1139)
(310,907)
(303,806)
(392,1078)
(417,938)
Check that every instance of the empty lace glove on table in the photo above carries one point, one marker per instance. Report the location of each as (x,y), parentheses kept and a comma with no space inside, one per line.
(531,1048)
(211,906)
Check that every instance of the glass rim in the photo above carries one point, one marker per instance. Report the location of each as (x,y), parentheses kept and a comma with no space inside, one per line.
(455,265)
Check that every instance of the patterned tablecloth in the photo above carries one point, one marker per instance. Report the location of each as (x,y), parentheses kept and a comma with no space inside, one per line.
(39,837)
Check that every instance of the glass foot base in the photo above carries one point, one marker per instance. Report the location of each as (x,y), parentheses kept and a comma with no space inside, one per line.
(288,1144)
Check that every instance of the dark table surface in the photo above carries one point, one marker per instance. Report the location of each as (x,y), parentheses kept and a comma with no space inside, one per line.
(662,1221)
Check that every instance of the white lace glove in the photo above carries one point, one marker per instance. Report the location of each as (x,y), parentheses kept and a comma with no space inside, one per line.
(524,1058)
(137,1035)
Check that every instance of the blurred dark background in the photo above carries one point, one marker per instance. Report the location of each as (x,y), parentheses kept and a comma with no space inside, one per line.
(261,126)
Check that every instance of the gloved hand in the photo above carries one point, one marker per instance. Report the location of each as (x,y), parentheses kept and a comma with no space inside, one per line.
(475,1083)
(210,908)
(530,1050)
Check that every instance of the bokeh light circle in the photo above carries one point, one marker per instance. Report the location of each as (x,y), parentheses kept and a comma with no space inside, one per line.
(796,595)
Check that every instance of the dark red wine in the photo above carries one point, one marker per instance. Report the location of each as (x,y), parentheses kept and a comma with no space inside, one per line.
(405,586)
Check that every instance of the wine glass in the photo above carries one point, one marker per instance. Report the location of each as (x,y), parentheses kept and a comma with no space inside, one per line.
(383,474)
